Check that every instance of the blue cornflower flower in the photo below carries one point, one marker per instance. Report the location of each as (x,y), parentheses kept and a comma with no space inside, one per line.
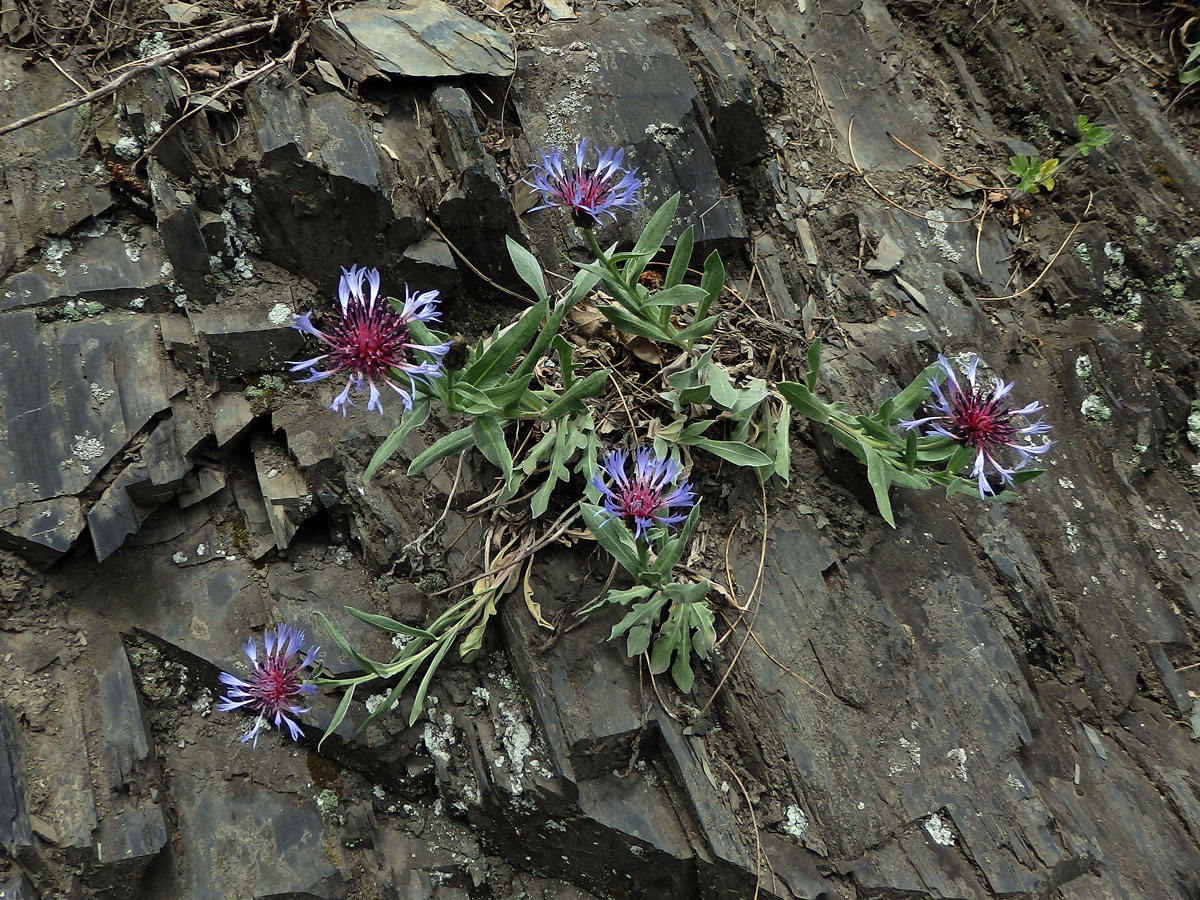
(984,420)
(274,681)
(372,342)
(649,496)
(587,193)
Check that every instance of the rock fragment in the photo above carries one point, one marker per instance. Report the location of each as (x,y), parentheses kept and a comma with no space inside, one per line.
(413,38)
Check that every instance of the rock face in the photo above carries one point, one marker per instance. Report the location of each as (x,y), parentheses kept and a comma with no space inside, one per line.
(985,702)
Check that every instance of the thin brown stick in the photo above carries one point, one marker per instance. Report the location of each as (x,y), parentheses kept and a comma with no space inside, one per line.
(624,403)
(758,853)
(65,74)
(772,658)
(286,60)
(755,589)
(1057,253)
(930,162)
(146,65)
(885,197)
(471,265)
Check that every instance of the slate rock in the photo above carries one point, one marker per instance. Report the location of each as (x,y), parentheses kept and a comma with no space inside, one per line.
(252,841)
(126,778)
(284,490)
(103,264)
(179,229)
(739,137)
(116,516)
(52,183)
(319,194)
(476,210)
(430,265)
(232,416)
(413,38)
(567,87)
(238,342)
(78,395)
(43,531)
(15,834)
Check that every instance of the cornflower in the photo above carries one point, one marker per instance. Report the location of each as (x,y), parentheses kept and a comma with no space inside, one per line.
(649,496)
(274,682)
(983,420)
(372,343)
(587,193)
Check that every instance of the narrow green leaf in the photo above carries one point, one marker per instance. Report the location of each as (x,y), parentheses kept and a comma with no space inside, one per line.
(724,395)
(338,715)
(750,396)
(680,295)
(733,451)
(613,536)
(497,359)
(345,647)
(914,480)
(917,392)
(556,471)
(910,449)
(412,418)
(569,400)
(814,365)
(488,436)
(564,348)
(651,239)
(804,401)
(681,258)
(386,624)
(455,442)
(877,477)
(630,324)
(699,395)
(527,267)
(638,624)
(419,699)
(697,329)
(684,592)
(712,281)
(672,550)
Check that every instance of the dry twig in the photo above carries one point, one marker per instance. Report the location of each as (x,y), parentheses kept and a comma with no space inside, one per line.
(146,65)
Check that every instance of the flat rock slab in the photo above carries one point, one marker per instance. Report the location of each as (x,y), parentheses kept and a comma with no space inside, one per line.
(73,395)
(566,90)
(421,39)
(102,264)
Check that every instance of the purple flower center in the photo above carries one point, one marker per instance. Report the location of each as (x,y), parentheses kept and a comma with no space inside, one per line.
(275,681)
(984,421)
(371,341)
(649,496)
(980,420)
(586,192)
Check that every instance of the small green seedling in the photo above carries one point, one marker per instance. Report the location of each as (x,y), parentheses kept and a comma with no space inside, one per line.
(1033,172)
(1091,136)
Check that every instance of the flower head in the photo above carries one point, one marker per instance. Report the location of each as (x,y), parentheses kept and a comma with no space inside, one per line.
(372,343)
(587,193)
(274,682)
(984,420)
(649,496)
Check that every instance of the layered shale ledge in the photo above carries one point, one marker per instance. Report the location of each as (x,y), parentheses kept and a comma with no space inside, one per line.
(986,702)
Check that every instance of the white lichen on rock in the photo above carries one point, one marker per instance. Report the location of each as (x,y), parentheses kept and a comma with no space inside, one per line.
(280,314)
(87,447)
(1094,409)
(795,822)
(939,831)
